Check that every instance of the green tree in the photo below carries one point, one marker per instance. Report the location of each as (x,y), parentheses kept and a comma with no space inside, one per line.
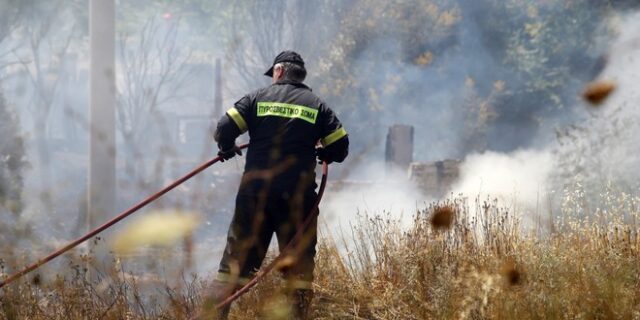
(152,69)
(46,33)
(544,52)
(526,59)
(12,160)
(12,152)
(375,67)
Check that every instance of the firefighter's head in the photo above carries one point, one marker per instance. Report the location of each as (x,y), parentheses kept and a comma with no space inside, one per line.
(288,65)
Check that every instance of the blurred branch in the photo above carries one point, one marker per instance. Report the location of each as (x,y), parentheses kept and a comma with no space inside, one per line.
(152,73)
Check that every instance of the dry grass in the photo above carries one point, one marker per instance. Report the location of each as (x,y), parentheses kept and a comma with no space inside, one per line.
(482,267)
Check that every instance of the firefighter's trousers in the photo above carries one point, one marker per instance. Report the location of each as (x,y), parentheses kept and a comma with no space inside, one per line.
(257,216)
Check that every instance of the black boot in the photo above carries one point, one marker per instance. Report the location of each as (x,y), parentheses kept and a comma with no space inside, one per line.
(301,303)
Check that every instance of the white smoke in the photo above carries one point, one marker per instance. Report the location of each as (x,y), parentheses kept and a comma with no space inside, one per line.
(518,179)
(614,128)
(601,148)
(370,190)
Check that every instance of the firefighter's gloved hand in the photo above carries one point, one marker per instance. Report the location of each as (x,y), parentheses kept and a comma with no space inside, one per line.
(323,156)
(229,153)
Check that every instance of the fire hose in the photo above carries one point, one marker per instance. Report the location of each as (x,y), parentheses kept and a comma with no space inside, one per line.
(154,197)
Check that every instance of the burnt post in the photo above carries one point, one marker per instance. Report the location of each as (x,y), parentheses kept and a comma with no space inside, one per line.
(399,148)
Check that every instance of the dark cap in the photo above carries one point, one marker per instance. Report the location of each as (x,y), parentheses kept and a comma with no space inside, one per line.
(285,56)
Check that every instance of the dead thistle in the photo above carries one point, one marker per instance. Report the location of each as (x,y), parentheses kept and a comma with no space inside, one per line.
(510,272)
(442,217)
(597,92)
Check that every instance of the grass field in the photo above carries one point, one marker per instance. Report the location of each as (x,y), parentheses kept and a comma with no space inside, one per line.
(484,265)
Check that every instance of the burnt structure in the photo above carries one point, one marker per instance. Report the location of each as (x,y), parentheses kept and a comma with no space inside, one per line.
(433,178)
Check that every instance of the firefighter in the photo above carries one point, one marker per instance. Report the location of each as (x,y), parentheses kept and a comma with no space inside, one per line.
(289,127)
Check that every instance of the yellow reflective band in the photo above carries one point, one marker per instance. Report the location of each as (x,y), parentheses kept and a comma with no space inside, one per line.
(286,110)
(333,137)
(238,119)
(229,278)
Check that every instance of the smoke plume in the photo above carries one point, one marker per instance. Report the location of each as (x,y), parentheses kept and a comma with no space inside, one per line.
(599,150)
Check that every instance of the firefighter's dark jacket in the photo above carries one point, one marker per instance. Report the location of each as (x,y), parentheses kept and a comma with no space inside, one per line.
(285,121)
